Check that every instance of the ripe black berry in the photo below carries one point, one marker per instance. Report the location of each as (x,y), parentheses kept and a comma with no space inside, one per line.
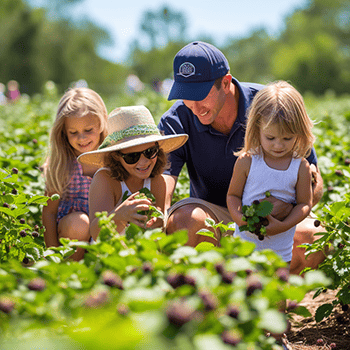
(292,305)
(123,309)
(233,311)
(25,261)
(6,205)
(23,233)
(264,221)
(176,280)
(230,337)
(22,221)
(96,298)
(6,305)
(339,172)
(14,170)
(37,284)
(210,301)
(179,313)
(14,191)
(341,245)
(112,279)
(227,277)
(345,307)
(147,267)
(317,223)
(283,274)
(253,284)
(261,237)
(220,268)
(35,234)
(256,202)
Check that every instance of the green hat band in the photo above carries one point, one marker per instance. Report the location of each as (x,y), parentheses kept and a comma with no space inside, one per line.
(137,130)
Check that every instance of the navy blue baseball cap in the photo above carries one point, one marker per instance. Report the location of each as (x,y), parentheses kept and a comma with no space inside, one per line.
(196,67)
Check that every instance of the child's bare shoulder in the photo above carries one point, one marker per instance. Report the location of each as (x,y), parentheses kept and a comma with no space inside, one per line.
(244,160)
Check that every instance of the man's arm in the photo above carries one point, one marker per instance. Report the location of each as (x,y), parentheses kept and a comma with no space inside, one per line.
(170,181)
(281,209)
(317,184)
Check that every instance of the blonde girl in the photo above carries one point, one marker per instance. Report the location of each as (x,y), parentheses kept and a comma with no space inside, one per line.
(80,126)
(132,157)
(277,140)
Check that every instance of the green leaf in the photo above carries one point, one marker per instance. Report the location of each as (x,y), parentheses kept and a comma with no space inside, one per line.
(206,233)
(264,208)
(204,246)
(323,311)
(273,321)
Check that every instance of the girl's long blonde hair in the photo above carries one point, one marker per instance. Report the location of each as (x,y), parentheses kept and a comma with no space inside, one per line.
(76,102)
(281,104)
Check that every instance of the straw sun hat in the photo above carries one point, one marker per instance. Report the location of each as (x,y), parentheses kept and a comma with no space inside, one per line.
(128,127)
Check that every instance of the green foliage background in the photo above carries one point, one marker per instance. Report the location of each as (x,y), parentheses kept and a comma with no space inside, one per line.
(43,43)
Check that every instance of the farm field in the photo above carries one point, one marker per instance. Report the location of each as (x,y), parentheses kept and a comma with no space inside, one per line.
(156,293)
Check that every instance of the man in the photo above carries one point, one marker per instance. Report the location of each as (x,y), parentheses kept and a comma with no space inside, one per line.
(212,110)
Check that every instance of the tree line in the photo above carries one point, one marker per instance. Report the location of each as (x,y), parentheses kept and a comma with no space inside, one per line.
(311,51)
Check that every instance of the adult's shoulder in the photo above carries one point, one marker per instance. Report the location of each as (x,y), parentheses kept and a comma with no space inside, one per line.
(178,109)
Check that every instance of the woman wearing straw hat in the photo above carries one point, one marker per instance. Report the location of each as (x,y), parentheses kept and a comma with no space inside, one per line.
(132,157)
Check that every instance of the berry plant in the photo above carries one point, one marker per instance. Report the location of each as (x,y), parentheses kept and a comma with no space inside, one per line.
(255,216)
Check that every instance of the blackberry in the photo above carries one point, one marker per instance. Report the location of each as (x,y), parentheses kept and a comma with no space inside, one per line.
(233,311)
(210,301)
(23,233)
(147,267)
(283,274)
(176,280)
(345,307)
(6,205)
(37,284)
(227,277)
(14,171)
(6,305)
(317,223)
(25,261)
(253,284)
(190,280)
(22,221)
(123,309)
(341,245)
(179,313)
(111,279)
(35,234)
(231,337)
(220,268)
(14,191)
(292,305)
(97,298)
(256,202)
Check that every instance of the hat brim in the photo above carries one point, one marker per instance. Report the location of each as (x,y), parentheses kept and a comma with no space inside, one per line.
(190,91)
(168,143)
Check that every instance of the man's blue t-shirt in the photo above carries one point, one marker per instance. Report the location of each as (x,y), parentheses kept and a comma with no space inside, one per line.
(208,153)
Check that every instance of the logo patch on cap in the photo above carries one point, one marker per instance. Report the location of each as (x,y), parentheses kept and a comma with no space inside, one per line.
(187,69)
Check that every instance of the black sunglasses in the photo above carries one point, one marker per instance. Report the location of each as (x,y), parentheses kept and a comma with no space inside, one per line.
(133,157)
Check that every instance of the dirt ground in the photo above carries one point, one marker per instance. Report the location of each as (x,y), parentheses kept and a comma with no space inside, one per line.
(331,333)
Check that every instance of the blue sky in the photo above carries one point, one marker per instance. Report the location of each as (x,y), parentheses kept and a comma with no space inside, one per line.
(218,18)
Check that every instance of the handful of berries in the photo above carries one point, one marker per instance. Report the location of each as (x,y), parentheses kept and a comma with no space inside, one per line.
(255,216)
(144,194)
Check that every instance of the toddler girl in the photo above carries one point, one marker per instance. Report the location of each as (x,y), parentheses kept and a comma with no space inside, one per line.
(277,140)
